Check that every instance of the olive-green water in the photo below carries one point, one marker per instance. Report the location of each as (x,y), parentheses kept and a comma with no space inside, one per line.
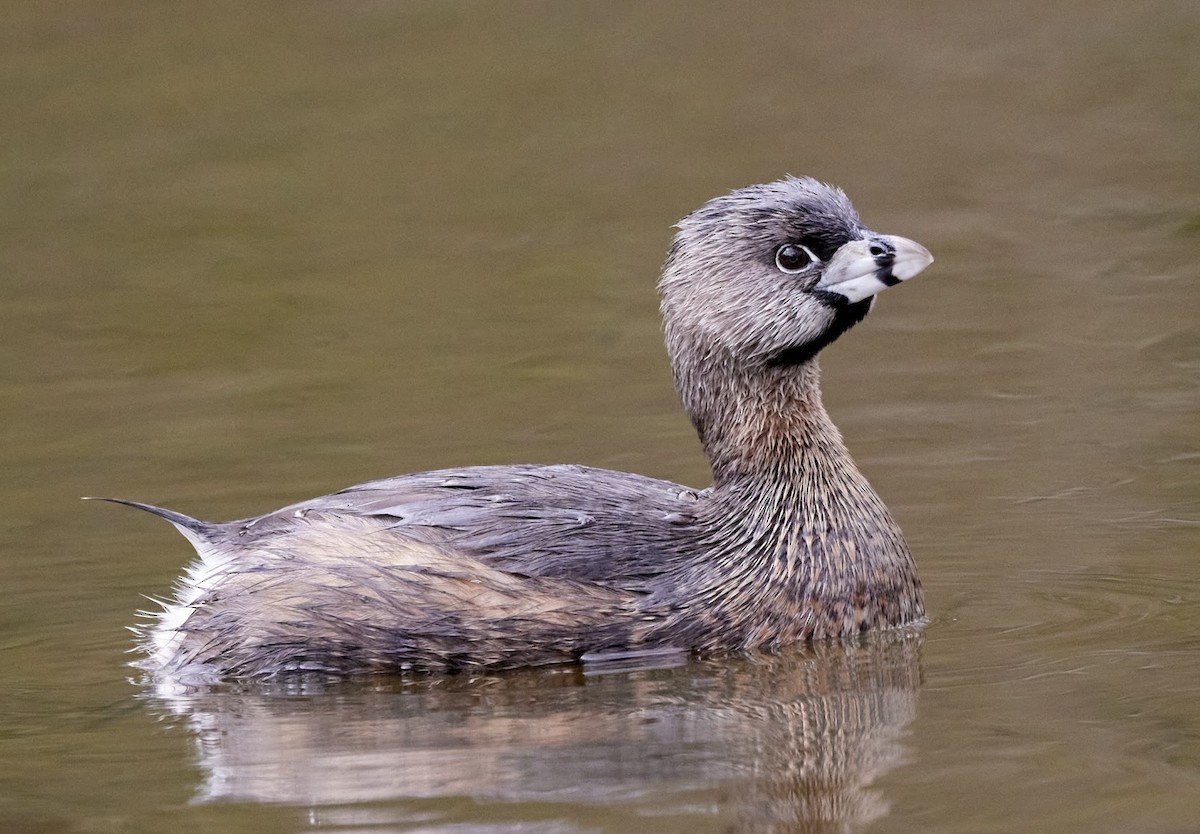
(251,253)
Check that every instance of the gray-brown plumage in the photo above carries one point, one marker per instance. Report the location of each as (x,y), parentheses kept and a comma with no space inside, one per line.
(505,566)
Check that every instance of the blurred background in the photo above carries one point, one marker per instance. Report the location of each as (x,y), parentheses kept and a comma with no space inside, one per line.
(254,253)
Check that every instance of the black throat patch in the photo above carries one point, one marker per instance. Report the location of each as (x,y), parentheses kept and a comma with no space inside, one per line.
(846,315)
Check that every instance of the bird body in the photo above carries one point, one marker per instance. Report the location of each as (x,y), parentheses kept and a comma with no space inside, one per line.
(504,566)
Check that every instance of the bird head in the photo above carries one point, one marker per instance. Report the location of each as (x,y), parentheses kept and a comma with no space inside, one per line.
(769,275)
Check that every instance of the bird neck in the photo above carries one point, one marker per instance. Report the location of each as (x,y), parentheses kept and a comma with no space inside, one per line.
(780,465)
(796,542)
(767,430)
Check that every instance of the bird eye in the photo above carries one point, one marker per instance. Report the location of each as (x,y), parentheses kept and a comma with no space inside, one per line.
(792,258)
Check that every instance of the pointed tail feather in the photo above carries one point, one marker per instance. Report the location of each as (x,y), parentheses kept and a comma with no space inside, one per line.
(194,530)
(178,519)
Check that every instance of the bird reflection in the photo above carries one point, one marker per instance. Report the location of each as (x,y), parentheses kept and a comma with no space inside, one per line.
(790,742)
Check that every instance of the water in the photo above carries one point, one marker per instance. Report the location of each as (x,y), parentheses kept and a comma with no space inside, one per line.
(253,254)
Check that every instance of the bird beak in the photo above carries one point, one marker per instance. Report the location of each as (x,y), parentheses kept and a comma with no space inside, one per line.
(868,266)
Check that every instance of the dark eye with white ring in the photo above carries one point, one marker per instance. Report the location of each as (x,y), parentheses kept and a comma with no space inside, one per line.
(792,258)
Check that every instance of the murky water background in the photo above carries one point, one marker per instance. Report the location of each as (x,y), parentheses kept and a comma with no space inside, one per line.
(250,254)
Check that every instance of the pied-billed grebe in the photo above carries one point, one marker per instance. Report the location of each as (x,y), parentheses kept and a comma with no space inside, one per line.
(502,566)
